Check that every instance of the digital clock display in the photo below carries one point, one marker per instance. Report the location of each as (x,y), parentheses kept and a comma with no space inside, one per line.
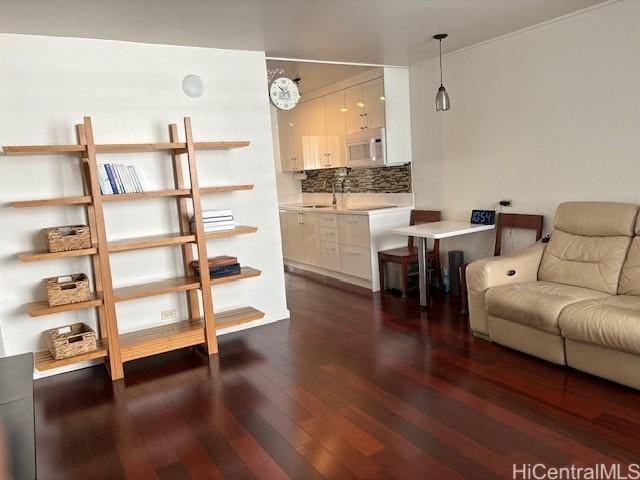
(483,217)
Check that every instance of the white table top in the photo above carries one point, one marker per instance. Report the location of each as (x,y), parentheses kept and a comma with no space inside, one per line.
(444,229)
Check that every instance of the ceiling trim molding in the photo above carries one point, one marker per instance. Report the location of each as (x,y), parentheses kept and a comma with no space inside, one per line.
(334,62)
(505,36)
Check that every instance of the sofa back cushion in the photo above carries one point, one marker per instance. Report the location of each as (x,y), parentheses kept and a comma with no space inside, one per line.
(589,245)
(630,276)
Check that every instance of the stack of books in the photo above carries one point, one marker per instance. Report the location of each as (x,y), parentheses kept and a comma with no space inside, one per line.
(117,178)
(215,221)
(221,266)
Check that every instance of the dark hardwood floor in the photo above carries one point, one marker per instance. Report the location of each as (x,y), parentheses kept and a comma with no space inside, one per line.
(351,387)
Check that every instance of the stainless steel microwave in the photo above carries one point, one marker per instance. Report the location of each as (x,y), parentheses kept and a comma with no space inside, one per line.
(366,148)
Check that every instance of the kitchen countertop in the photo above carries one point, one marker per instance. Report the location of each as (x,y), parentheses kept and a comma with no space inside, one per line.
(355,209)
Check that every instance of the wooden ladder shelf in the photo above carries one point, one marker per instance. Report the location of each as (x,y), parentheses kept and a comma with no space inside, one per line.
(203,322)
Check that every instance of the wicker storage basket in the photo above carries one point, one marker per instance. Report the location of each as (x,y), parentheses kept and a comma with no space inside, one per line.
(72,237)
(72,288)
(65,342)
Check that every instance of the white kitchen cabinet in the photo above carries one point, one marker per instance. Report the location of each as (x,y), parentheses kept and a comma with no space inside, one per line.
(311,239)
(294,243)
(356,261)
(329,234)
(324,146)
(331,256)
(336,129)
(341,245)
(354,230)
(374,103)
(301,237)
(292,128)
(315,144)
(365,104)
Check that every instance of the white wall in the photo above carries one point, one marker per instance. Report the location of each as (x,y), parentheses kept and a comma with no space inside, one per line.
(132,92)
(538,117)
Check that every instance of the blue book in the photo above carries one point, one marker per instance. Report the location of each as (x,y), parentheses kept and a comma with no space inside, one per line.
(112,178)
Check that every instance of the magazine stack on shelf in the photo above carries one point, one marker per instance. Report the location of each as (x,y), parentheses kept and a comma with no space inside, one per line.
(215,221)
(116,178)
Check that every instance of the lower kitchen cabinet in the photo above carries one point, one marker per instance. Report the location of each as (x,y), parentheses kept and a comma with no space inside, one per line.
(356,261)
(331,256)
(341,245)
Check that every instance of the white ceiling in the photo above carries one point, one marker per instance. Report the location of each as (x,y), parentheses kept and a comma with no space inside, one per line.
(392,32)
(316,75)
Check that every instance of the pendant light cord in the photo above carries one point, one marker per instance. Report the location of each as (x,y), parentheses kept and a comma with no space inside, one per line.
(441,84)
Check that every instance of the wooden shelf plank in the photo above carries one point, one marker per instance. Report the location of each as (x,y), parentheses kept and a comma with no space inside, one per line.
(44,360)
(246,272)
(238,316)
(239,230)
(37,309)
(178,284)
(226,188)
(221,145)
(41,149)
(151,341)
(45,255)
(121,147)
(184,192)
(133,292)
(150,242)
(138,147)
(187,333)
(47,202)
(86,200)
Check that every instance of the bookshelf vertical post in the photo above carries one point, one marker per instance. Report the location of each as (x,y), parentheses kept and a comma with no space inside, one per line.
(115,360)
(201,242)
(193,303)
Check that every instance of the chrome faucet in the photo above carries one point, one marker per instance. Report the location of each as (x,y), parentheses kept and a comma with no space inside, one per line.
(334,200)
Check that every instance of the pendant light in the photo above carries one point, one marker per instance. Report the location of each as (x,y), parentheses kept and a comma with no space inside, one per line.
(442,98)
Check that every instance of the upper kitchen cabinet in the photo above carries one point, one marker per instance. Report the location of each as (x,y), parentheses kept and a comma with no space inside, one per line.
(324,146)
(367,109)
(293,127)
(365,104)
(336,121)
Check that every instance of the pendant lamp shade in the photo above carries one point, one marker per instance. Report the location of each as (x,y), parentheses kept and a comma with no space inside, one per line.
(442,97)
(442,100)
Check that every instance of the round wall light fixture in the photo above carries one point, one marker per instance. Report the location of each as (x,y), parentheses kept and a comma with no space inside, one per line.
(193,86)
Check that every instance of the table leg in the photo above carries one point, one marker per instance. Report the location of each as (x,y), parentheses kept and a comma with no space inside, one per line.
(423,272)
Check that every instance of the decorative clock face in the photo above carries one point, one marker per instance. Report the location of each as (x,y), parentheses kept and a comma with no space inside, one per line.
(284,93)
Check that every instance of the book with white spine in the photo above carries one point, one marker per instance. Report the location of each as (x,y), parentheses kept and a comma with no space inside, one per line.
(103,178)
(136,180)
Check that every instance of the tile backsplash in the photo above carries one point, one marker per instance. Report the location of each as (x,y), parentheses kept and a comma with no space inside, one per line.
(396,179)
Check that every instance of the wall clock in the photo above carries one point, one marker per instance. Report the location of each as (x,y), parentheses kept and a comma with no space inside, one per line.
(284,93)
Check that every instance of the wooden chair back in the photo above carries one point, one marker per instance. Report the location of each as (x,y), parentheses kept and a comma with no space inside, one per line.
(422,216)
(517,220)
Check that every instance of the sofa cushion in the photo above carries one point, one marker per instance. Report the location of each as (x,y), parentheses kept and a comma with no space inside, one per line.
(612,322)
(596,219)
(535,304)
(589,262)
(630,277)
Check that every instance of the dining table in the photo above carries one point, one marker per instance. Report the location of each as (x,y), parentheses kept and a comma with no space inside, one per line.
(435,231)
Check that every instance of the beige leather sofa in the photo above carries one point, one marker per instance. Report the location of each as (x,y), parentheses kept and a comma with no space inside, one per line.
(573,301)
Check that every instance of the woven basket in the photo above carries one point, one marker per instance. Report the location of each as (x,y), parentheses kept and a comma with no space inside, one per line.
(72,237)
(72,288)
(65,342)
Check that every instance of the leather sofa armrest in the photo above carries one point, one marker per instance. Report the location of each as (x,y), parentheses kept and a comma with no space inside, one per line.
(517,267)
